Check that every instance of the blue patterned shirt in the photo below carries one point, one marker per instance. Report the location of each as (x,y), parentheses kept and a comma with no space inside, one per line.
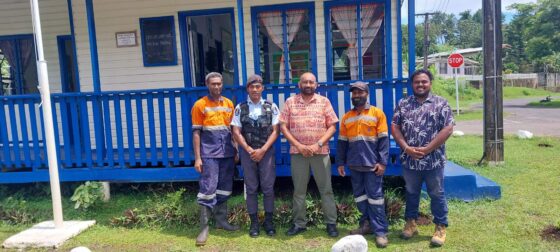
(420,123)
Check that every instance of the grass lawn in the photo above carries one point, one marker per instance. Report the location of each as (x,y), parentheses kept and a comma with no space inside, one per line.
(551,104)
(530,201)
(469,96)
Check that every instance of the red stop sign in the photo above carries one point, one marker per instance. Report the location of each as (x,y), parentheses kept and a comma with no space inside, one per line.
(455,60)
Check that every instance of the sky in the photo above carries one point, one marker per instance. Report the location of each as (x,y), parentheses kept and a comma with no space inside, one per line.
(457,6)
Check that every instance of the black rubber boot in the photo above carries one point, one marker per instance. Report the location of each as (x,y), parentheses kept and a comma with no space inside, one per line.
(220,215)
(204,217)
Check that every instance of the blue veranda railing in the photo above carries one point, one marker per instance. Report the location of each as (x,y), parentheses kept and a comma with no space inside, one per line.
(137,135)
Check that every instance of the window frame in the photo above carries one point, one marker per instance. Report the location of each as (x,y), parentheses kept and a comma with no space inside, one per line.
(186,58)
(387,40)
(18,77)
(171,20)
(310,7)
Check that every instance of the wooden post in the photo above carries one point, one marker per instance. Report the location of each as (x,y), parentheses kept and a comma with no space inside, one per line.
(492,79)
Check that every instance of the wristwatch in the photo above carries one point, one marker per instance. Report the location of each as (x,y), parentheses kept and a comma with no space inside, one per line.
(320,143)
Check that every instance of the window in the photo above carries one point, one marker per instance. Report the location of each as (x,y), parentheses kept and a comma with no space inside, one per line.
(158,41)
(355,46)
(442,67)
(284,42)
(18,66)
(211,45)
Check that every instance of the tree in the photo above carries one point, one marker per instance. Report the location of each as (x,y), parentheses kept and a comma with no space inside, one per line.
(534,34)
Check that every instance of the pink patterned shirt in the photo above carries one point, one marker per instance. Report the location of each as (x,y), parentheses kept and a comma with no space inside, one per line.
(308,121)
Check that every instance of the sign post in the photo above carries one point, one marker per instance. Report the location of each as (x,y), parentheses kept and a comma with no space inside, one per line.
(455,61)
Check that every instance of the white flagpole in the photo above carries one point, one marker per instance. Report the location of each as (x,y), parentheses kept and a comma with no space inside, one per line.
(47,115)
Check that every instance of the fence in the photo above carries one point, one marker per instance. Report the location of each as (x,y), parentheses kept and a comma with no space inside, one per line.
(142,135)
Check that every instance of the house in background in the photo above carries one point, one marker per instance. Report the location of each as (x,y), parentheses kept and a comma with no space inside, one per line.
(472,62)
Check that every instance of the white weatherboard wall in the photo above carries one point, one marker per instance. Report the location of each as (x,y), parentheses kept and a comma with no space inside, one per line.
(123,68)
(15,19)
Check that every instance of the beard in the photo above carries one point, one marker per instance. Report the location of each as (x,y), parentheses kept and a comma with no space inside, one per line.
(359,101)
(308,91)
(421,95)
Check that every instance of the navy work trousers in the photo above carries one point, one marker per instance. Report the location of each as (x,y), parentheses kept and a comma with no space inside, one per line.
(261,173)
(368,194)
(216,181)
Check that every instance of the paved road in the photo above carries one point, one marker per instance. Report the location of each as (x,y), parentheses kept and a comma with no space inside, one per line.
(539,121)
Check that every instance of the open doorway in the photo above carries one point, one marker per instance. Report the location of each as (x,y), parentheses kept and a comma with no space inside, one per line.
(210,45)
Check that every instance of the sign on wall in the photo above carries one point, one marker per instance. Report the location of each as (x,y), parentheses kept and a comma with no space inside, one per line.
(126,39)
(158,41)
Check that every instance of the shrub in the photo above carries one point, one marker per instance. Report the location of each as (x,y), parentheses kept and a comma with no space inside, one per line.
(87,195)
(169,210)
(14,211)
(393,205)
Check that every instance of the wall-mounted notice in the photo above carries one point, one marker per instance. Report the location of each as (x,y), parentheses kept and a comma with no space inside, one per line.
(158,41)
(126,39)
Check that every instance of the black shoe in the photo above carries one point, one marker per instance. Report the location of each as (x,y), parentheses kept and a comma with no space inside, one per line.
(331,230)
(294,230)
(268,224)
(269,228)
(254,229)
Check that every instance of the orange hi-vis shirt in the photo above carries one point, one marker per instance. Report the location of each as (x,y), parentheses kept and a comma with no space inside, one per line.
(213,118)
(363,140)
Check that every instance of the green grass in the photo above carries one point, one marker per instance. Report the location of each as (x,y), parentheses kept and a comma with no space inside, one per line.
(530,201)
(469,96)
(551,104)
(470,115)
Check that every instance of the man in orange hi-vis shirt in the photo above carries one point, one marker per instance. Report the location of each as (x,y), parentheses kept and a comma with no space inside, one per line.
(214,155)
(363,146)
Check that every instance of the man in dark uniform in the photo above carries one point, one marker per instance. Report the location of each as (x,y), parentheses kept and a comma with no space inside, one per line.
(214,155)
(255,128)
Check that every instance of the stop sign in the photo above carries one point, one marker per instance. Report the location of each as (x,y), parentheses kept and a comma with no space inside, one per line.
(455,60)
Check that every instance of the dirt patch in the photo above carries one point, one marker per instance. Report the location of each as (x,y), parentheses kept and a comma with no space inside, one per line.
(311,244)
(551,233)
(424,220)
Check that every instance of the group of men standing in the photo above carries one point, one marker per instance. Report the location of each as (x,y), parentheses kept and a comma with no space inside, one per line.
(420,126)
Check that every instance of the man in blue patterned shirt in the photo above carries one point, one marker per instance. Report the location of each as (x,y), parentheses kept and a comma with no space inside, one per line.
(421,125)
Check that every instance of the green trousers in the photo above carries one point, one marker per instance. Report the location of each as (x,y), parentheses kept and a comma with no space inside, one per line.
(301,168)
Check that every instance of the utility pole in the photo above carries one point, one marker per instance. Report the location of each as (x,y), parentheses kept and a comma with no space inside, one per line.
(493,100)
(426,37)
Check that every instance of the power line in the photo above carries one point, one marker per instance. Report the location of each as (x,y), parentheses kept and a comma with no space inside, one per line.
(426,37)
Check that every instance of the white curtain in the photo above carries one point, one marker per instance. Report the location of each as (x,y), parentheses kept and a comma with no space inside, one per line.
(294,19)
(272,22)
(345,18)
(372,17)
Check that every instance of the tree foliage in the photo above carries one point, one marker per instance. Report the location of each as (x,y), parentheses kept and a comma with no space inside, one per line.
(534,34)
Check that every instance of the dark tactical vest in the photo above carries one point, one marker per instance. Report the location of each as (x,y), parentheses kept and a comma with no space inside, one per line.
(256,132)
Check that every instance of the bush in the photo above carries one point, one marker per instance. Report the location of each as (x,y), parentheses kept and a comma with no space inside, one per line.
(87,195)
(173,209)
(14,211)
(393,205)
(166,211)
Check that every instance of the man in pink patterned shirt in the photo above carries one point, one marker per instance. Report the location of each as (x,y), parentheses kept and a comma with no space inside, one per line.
(308,121)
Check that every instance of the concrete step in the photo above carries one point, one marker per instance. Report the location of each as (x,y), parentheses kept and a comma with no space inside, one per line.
(464,184)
